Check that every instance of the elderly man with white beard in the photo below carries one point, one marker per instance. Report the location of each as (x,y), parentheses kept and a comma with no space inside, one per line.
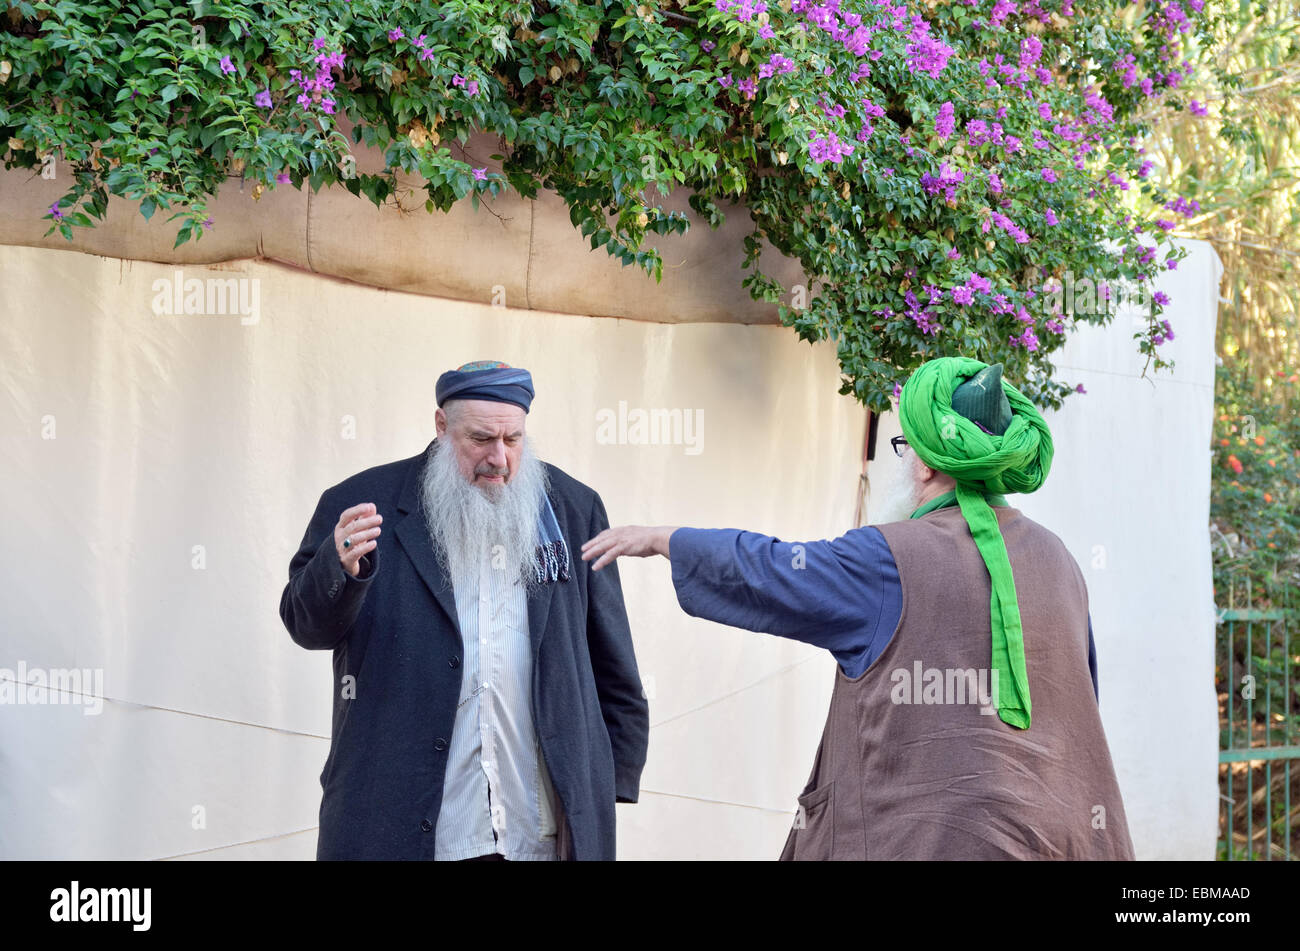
(487,703)
(940,614)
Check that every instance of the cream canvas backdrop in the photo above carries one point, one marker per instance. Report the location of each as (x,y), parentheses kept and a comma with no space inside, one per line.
(185,431)
(179,431)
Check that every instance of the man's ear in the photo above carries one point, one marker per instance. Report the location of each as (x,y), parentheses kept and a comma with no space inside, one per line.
(440,422)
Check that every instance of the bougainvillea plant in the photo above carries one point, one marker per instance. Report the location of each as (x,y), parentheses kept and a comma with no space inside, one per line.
(950,175)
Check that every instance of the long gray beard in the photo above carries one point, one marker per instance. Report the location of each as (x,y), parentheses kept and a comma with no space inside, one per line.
(900,499)
(464,522)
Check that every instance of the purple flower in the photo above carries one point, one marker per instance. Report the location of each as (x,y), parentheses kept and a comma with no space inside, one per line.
(1049,175)
(54,210)
(945,121)
(319,42)
(227,66)
(928,54)
(1050,217)
(263,99)
(1001,9)
(748,86)
(898,390)
(480,174)
(1197,109)
(947,181)
(1031,51)
(327,106)
(829,149)
(395,35)
(458,80)
(471,88)
(924,322)
(953,254)
(783,64)
(707,45)
(283,178)
(1172,264)
(1161,299)
(978,283)
(1080,389)
(962,294)
(208,222)
(1169,331)
(995,183)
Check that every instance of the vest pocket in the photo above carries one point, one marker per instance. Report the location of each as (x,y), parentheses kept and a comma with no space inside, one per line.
(814,825)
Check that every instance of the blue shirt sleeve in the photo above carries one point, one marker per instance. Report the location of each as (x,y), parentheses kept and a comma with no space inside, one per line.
(842,595)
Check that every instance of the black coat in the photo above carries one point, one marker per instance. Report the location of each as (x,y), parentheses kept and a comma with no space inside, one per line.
(395,632)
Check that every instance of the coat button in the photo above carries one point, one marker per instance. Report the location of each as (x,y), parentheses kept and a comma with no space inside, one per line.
(439,744)
(454,662)
(426,825)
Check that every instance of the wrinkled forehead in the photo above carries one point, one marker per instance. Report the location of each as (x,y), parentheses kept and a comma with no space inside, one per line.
(487,418)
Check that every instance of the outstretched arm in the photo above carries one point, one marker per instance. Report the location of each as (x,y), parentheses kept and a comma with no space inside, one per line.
(826,593)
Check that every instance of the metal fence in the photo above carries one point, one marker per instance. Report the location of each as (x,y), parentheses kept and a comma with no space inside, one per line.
(1259,736)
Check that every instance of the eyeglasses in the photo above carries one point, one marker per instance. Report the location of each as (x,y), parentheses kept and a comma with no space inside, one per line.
(898,442)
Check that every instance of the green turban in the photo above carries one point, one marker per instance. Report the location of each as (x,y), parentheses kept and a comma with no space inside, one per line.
(983,462)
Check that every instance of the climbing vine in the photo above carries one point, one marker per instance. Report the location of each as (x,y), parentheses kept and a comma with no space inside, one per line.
(951,176)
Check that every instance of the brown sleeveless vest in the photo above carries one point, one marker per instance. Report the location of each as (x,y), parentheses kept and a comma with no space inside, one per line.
(910,768)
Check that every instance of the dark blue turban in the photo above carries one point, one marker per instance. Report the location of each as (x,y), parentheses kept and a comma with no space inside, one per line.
(487,380)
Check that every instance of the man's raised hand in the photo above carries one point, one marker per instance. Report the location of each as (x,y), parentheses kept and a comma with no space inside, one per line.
(356,534)
(637,541)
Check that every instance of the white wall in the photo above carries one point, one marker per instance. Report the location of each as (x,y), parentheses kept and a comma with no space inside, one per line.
(1129,494)
(172,432)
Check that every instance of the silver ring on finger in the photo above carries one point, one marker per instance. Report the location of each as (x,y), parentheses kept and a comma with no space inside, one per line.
(347,542)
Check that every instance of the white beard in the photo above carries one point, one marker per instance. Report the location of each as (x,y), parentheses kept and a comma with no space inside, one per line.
(901,498)
(465,520)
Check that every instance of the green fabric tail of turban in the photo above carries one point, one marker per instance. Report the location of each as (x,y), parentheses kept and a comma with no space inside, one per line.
(1016,460)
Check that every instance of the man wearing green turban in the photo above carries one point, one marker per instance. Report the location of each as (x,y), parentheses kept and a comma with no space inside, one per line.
(942,614)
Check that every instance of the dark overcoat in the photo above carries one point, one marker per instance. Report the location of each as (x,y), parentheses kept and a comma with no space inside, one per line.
(397,678)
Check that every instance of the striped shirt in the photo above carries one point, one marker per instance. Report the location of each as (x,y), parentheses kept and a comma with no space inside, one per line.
(497,795)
